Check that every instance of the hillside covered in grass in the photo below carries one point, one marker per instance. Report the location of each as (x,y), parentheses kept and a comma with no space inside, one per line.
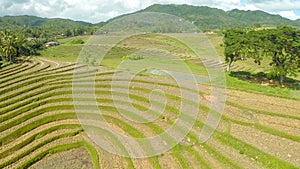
(213,18)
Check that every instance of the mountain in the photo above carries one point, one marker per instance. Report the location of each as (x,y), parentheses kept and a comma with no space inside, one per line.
(213,18)
(202,16)
(28,21)
(249,18)
(38,27)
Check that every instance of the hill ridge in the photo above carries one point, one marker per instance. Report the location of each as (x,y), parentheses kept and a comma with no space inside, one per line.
(212,18)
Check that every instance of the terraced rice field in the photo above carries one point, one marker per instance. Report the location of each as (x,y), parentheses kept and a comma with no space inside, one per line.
(39,127)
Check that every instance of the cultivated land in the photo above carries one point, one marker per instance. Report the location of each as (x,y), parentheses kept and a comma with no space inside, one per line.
(260,127)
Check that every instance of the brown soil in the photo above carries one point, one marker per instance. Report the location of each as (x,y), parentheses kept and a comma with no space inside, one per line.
(280,147)
(77,158)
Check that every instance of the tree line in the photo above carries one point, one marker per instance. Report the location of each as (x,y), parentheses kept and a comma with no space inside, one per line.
(26,41)
(281,45)
(13,45)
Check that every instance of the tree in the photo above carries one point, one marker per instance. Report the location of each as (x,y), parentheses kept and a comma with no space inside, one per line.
(284,47)
(235,42)
(281,44)
(255,46)
(14,45)
(8,46)
(68,33)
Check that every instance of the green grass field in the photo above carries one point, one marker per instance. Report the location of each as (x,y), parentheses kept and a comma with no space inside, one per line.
(260,127)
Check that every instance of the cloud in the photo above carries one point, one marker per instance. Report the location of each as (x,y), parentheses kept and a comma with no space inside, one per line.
(289,14)
(285,8)
(276,5)
(100,10)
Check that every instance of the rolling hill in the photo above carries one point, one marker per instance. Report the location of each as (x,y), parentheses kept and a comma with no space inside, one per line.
(212,18)
(26,21)
(204,17)
(34,26)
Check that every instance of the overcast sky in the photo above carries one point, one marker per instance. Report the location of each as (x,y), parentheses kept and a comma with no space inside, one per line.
(100,10)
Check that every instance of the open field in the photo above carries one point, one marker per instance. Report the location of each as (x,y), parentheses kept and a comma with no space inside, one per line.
(260,127)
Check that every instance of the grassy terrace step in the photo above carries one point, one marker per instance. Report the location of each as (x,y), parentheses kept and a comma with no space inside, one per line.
(42,121)
(51,108)
(266,159)
(39,103)
(47,109)
(34,114)
(47,81)
(177,153)
(269,161)
(23,105)
(182,164)
(31,95)
(268,129)
(147,82)
(33,78)
(265,129)
(234,104)
(27,152)
(42,94)
(56,79)
(15,74)
(200,159)
(36,136)
(115,142)
(38,112)
(152,126)
(223,159)
(41,76)
(46,87)
(29,86)
(14,69)
(65,147)
(29,105)
(30,82)
(240,85)
(39,73)
(11,68)
(181,159)
(24,78)
(134,133)
(35,93)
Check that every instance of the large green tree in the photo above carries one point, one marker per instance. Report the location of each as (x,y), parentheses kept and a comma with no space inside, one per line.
(282,45)
(14,45)
(235,42)
(8,46)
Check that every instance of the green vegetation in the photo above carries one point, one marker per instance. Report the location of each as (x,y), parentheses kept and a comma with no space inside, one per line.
(36,27)
(59,92)
(282,45)
(38,118)
(13,46)
(211,18)
(65,147)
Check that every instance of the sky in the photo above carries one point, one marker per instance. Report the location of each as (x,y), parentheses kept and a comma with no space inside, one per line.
(95,11)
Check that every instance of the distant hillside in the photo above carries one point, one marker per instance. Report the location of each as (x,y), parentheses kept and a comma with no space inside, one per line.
(27,21)
(212,18)
(204,17)
(249,18)
(38,27)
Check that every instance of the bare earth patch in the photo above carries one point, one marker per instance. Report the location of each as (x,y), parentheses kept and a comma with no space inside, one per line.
(77,158)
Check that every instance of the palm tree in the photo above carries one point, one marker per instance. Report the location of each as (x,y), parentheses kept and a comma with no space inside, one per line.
(9,46)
